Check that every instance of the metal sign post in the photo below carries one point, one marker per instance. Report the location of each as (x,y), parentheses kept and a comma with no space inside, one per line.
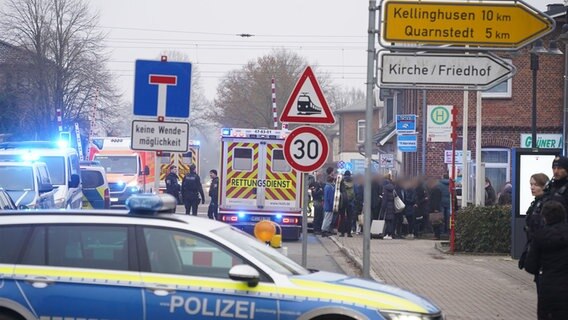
(305,222)
(453,180)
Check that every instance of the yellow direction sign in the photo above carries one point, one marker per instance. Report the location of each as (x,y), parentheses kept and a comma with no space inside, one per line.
(506,24)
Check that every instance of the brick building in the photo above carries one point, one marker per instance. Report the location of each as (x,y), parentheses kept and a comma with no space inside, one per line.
(351,135)
(506,114)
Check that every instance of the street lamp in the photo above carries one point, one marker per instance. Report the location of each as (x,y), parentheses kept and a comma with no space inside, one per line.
(536,50)
(564,38)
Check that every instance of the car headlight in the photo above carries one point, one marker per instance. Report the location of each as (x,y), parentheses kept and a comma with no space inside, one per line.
(133,186)
(403,315)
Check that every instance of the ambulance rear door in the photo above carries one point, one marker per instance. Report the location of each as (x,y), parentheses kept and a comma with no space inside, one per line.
(239,191)
(279,180)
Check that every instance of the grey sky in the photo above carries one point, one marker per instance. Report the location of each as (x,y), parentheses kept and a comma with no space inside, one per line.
(330,33)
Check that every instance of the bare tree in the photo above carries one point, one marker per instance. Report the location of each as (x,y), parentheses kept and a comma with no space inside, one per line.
(244,97)
(200,115)
(68,57)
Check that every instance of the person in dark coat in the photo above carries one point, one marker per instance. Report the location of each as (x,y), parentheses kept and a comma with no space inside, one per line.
(557,189)
(420,208)
(387,207)
(214,195)
(376,197)
(533,219)
(548,259)
(191,189)
(408,196)
(490,195)
(445,201)
(172,184)
(506,195)
(359,198)
(316,188)
(346,209)
(434,204)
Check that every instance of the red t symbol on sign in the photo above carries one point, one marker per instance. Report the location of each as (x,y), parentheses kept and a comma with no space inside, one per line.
(163,81)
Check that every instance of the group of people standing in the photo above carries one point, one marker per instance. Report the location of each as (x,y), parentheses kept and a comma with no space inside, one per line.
(546,251)
(338,204)
(190,192)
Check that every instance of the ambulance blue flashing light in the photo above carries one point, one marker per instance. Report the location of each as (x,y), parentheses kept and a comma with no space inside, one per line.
(241,214)
(226,132)
(196,143)
(279,216)
(144,203)
(120,183)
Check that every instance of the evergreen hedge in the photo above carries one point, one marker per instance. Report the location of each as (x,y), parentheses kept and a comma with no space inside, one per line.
(484,229)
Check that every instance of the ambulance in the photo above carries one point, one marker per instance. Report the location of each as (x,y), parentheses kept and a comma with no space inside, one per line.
(128,171)
(181,160)
(256,183)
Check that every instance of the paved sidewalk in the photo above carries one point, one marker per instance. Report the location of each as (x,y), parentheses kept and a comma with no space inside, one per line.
(464,286)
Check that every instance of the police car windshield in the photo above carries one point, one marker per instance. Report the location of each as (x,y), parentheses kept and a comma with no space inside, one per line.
(55,166)
(272,258)
(16,178)
(118,164)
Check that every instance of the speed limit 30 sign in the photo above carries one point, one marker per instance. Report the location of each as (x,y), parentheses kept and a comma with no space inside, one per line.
(306,149)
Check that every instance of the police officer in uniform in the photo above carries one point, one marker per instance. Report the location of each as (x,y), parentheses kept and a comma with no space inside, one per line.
(191,189)
(214,195)
(557,188)
(172,184)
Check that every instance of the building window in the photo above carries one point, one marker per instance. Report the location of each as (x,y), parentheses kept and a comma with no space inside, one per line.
(360,131)
(502,90)
(497,163)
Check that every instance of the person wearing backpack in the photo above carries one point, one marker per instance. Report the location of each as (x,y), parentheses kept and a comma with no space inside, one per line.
(347,201)
(191,189)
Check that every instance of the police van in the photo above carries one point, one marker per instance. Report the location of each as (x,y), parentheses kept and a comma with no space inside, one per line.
(152,265)
(62,163)
(28,184)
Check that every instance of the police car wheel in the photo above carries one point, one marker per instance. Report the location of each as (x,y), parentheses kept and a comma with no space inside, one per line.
(9,315)
(333,316)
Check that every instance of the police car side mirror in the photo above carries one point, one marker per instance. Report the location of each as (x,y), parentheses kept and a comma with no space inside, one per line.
(75,180)
(45,187)
(245,273)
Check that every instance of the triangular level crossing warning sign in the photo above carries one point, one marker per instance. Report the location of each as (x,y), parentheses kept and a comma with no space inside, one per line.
(307,103)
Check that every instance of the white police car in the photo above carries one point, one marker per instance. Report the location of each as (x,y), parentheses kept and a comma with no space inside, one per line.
(142,265)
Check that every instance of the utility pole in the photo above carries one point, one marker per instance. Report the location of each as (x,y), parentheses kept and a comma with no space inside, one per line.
(369,139)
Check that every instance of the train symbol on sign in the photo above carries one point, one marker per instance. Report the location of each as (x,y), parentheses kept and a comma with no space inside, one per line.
(305,105)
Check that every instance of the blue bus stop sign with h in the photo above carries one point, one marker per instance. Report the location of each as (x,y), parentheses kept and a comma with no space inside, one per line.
(162,89)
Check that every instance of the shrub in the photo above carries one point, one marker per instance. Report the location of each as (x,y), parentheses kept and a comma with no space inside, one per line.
(484,229)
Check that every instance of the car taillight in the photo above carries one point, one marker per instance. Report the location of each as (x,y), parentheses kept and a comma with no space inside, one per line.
(290,220)
(230,218)
(107,198)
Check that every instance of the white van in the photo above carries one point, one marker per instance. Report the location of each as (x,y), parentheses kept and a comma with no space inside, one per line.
(28,184)
(62,163)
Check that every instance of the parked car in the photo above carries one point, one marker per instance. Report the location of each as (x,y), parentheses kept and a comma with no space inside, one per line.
(96,192)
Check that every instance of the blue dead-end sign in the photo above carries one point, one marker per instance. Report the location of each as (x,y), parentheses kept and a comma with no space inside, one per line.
(162,89)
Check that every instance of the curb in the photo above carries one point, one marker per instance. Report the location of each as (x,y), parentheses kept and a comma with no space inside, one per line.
(353,257)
